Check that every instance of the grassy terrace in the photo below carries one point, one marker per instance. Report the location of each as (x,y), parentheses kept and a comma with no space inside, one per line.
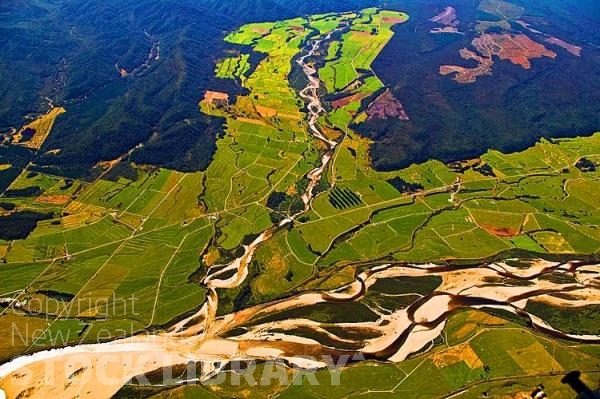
(358,47)
(267,148)
(537,200)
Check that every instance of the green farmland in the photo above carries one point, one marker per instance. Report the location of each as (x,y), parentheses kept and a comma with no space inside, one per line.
(127,252)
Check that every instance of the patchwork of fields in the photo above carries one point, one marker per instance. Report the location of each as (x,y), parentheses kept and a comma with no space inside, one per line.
(110,241)
(128,251)
(537,201)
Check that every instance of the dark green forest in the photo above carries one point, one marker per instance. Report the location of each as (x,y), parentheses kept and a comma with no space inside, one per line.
(69,51)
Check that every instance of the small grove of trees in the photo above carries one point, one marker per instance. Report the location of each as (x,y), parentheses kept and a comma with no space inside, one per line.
(19,225)
(585,165)
(403,186)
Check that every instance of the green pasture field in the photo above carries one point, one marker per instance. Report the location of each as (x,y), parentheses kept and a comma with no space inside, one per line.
(233,67)
(102,260)
(286,269)
(524,206)
(359,47)
(249,33)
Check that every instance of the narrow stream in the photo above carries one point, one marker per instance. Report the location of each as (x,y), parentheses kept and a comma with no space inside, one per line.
(200,326)
(315,110)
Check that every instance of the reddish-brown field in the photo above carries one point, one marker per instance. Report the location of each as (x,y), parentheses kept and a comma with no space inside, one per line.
(387,106)
(212,96)
(446,17)
(342,102)
(260,31)
(266,112)
(497,231)
(468,75)
(393,20)
(571,48)
(518,49)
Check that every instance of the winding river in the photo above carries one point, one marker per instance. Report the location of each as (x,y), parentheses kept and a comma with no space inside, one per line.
(100,370)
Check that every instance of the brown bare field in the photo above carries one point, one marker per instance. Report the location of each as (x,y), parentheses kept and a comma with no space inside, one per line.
(342,102)
(252,121)
(211,96)
(468,75)
(518,49)
(53,199)
(571,48)
(457,354)
(500,231)
(387,106)
(393,20)
(266,112)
